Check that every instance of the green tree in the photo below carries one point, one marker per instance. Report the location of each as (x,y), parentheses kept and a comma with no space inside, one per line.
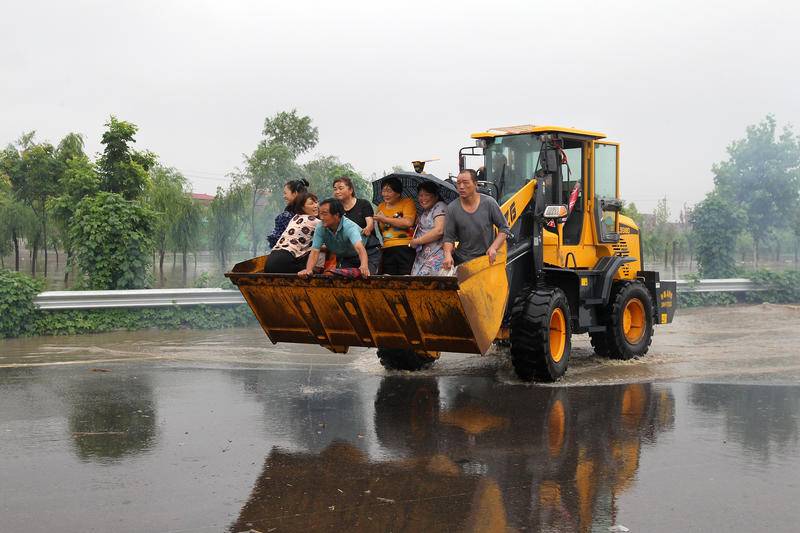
(185,229)
(268,168)
(33,169)
(658,231)
(165,194)
(292,131)
(321,172)
(113,241)
(762,175)
(78,180)
(286,136)
(123,170)
(16,221)
(630,210)
(795,222)
(226,220)
(717,222)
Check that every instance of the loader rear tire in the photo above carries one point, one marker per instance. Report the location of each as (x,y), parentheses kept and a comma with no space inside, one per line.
(629,331)
(540,334)
(399,359)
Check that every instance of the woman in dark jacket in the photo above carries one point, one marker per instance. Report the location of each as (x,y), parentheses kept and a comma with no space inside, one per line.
(290,191)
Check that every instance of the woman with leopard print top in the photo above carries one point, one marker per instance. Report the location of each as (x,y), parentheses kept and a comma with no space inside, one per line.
(290,253)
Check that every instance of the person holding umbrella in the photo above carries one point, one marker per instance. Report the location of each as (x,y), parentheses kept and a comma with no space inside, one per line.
(396,216)
(428,235)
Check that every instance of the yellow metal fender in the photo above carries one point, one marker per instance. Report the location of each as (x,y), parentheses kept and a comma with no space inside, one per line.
(483,291)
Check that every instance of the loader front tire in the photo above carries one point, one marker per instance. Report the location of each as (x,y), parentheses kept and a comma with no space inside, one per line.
(540,334)
(629,331)
(400,359)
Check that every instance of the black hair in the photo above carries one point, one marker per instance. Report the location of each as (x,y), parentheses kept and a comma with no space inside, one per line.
(336,207)
(297,186)
(472,174)
(299,203)
(393,183)
(429,187)
(347,181)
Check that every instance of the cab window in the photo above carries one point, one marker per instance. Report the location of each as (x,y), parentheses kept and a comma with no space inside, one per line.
(605,187)
(510,162)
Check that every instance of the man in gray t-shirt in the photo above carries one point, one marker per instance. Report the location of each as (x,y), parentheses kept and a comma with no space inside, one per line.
(470,222)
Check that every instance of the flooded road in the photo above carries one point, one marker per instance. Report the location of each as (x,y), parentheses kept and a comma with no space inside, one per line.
(219,431)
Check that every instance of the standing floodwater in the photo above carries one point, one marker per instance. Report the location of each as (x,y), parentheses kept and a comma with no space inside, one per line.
(218,431)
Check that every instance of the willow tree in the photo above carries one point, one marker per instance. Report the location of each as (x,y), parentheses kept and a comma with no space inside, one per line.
(762,177)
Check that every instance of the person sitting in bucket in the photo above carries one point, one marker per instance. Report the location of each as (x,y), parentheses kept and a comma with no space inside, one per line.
(470,222)
(342,237)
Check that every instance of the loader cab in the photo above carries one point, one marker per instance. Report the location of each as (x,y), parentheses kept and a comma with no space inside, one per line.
(575,168)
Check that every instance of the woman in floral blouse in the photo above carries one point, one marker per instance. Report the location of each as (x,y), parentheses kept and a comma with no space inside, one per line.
(428,234)
(290,252)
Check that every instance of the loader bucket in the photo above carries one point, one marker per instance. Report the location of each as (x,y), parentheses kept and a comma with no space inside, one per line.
(423,313)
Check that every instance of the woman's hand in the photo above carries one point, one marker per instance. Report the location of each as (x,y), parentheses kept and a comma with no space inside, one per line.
(447,264)
(366,231)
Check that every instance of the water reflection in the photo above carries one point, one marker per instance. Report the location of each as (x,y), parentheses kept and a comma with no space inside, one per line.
(111,416)
(459,454)
(762,419)
(309,410)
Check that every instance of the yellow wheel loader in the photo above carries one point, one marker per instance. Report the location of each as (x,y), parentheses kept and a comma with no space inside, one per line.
(573,265)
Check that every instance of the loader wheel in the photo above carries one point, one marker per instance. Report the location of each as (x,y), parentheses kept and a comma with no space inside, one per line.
(540,334)
(630,328)
(399,359)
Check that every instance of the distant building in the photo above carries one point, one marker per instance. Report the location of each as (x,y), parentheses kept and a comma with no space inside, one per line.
(204,199)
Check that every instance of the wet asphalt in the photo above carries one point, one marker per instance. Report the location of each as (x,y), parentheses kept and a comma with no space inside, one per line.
(125,432)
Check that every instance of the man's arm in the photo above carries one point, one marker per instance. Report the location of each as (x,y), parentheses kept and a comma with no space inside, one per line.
(496,244)
(447,264)
(362,256)
(312,260)
(450,238)
(503,231)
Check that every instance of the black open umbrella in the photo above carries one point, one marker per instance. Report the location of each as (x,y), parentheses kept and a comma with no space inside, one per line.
(410,181)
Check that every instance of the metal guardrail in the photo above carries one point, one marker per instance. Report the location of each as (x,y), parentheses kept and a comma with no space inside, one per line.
(136,298)
(53,300)
(718,285)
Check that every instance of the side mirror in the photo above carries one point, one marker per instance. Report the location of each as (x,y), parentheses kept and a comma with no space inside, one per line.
(611,204)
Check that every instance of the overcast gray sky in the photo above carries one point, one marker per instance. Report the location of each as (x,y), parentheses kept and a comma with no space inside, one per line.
(674,82)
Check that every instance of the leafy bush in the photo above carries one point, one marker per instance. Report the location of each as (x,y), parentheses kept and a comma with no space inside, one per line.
(717,223)
(17,312)
(113,242)
(100,320)
(780,287)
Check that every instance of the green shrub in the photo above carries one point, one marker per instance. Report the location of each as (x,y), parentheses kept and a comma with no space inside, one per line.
(779,287)
(113,242)
(100,320)
(18,314)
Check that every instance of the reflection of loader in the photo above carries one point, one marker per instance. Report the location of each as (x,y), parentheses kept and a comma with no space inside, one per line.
(560,466)
(574,266)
